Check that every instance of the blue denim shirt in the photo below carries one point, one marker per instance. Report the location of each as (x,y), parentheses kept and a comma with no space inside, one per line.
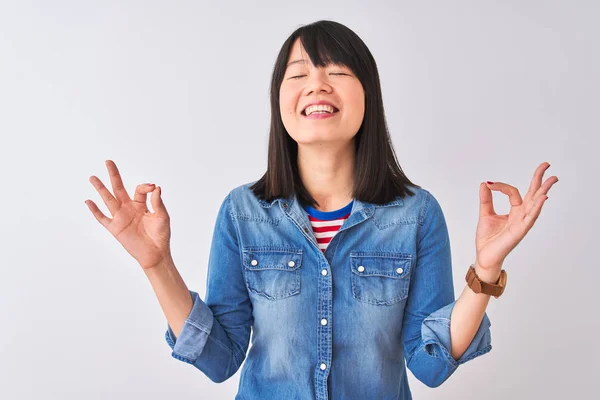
(339,324)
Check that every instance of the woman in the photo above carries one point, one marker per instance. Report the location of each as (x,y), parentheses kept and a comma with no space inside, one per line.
(336,260)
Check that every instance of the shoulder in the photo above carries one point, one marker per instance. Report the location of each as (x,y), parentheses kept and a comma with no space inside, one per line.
(242,191)
(424,204)
(241,197)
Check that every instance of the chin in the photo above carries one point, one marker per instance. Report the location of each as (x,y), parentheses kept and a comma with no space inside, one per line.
(317,137)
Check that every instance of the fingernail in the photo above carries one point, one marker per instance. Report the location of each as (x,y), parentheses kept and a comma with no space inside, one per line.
(490,183)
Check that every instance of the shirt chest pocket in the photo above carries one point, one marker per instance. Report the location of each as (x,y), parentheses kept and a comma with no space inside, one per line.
(380,278)
(273,273)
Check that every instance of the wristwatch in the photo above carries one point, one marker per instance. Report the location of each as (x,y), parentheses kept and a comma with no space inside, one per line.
(493,289)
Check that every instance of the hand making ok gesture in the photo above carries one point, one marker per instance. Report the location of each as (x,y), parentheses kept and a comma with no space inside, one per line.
(145,235)
(497,235)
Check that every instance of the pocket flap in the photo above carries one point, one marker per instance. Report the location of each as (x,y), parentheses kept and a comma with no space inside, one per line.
(391,265)
(260,258)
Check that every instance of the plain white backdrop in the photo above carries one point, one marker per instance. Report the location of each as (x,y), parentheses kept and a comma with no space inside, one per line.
(176,93)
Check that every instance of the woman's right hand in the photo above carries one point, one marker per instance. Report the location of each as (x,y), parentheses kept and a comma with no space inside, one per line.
(145,235)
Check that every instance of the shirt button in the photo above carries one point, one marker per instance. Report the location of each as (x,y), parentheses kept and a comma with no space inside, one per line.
(253,262)
(291,264)
(361,268)
(399,270)
(323,321)
(323,367)
(324,272)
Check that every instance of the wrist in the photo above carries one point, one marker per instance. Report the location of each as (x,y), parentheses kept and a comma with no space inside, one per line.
(161,272)
(488,275)
(165,262)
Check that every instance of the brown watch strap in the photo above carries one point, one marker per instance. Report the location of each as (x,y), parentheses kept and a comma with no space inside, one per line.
(493,289)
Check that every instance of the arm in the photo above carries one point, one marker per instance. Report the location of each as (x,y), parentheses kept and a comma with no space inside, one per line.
(426,325)
(468,314)
(172,293)
(214,337)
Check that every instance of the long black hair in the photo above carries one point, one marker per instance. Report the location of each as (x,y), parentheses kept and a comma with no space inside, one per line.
(378,178)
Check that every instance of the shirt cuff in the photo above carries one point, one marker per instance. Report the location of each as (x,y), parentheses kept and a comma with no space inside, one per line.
(194,334)
(435,332)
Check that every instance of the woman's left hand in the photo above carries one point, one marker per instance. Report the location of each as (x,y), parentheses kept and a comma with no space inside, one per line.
(497,235)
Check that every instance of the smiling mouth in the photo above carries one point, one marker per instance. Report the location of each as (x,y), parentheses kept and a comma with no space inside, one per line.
(335,110)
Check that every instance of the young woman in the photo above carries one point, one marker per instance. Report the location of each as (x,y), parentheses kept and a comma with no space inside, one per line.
(336,261)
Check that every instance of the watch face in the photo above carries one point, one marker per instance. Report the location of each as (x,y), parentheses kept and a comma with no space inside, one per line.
(502,279)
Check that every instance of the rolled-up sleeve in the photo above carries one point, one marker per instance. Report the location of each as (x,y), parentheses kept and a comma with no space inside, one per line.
(216,334)
(426,326)
(194,334)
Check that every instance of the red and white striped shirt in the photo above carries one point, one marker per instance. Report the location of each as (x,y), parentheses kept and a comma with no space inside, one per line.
(325,224)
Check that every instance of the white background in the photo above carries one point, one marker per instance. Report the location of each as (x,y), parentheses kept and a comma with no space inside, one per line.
(176,93)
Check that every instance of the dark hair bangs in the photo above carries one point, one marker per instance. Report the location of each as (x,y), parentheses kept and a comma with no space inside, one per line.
(325,49)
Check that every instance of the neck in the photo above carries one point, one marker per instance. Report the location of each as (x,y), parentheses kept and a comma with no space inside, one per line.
(327,172)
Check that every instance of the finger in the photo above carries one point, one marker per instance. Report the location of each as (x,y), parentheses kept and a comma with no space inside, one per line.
(110,201)
(157,202)
(141,196)
(536,181)
(117,182)
(541,193)
(486,205)
(543,190)
(100,217)
(514,197)
(534,213)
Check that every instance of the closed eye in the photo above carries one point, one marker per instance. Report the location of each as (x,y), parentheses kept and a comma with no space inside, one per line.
(333,73)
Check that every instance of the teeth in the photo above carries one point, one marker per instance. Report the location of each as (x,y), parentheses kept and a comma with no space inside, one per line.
(322,107)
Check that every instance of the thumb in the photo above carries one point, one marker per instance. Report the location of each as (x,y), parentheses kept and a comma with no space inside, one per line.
(486,205)
(157,202)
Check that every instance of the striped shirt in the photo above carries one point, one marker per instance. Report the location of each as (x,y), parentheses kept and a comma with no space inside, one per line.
(325,224)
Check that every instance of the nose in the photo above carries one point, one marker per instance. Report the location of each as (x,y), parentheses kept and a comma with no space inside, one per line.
(317,84)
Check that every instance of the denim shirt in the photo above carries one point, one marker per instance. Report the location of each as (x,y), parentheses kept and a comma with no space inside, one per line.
(339,324)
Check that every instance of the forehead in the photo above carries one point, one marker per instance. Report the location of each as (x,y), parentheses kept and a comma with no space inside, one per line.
(298,53)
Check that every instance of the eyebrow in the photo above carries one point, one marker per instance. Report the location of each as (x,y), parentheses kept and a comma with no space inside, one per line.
(301,61)
(295,62)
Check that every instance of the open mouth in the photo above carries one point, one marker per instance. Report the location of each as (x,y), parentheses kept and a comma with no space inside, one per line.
(320,110)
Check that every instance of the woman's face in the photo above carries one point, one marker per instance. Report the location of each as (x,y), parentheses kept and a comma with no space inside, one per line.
(304,84)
